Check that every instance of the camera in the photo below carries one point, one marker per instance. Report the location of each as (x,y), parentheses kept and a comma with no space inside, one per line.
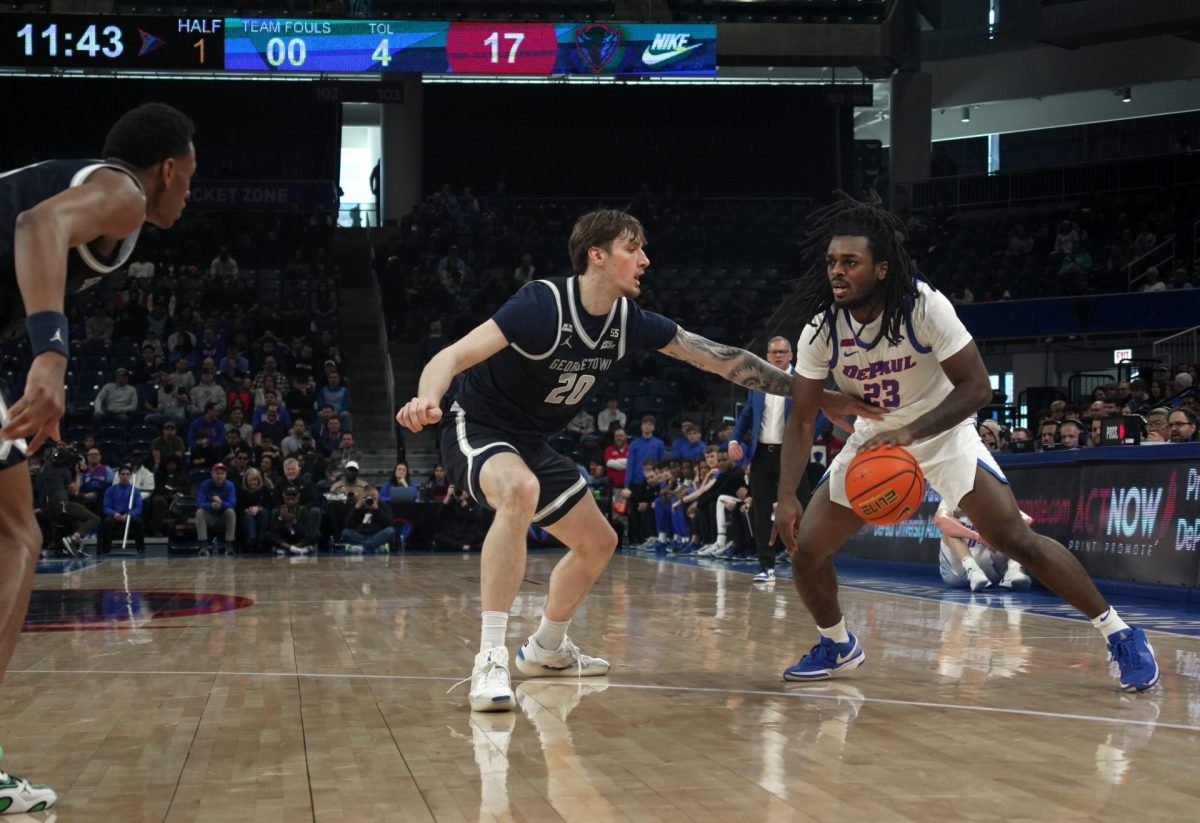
(64,455)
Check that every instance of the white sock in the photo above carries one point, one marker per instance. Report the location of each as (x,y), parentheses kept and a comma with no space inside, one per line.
(969,563)
(551,633)
(662,538)
(1109,623)
(837,632)
(495,624)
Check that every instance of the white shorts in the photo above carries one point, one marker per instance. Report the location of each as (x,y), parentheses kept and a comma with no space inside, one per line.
(949,461)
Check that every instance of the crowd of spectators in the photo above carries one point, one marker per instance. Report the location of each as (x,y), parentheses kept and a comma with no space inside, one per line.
(1161,405)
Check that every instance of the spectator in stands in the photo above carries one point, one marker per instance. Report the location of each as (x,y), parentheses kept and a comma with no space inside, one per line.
(340,457)
(1182,424)
(992,435)
(291,443)
(1139,399)
(434,489)
(237,421)
(1075,265)
(148,365)
(1069,434)
(329,439)
(616,459)
(210,349)
(1019,435)
(609,415)
(639,498)
(290,531)
(94,481)
(171,483)
(1068,234)
(306,493)
(1048,435)
(216,508)
(1019,242)
(254,510)
(1183,388)
(1180,279)
(171,402)
(337,395)
(234,362)
(117,401)
(1152,284)
(99,327)
(268,377)
(122,505)
(397,488)
(368,526)
(324,306)
(301,397)
(205,392)
(271,427)
(203,454)
(182,377)
(1158,429)
(268,467)
(209,423)
(526,271)
(223,267)
(141,269)
(1096,432)
(692,445)
(582,423)
(646,447)
(143,475)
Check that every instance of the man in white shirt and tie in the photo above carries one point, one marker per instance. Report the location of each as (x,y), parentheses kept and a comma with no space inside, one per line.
(760,427)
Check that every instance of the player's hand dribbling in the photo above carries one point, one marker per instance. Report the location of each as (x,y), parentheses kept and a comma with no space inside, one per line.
(787,522)
(418,413)
(896,437)
(42,405)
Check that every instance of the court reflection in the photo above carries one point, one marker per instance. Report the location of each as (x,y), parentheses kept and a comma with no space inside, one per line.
(979,643)
(1115,754)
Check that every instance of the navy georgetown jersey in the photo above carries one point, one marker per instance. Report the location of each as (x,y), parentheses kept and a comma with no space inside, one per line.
(556,358)
(21,190)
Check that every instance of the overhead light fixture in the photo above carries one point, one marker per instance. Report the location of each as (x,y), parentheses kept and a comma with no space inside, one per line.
(1126,94)
(966,114)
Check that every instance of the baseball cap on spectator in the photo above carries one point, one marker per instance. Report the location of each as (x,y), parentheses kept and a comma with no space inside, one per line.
(217,466)
(291,491)
(352,464)
(169,424)
(122,371)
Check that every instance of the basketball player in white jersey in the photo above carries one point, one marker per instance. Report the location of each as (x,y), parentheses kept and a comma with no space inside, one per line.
(891,339)
(64,223)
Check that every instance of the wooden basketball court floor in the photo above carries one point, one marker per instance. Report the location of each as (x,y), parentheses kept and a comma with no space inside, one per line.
(326,700)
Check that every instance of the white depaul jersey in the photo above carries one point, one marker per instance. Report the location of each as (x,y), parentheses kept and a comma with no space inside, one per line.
(905,378)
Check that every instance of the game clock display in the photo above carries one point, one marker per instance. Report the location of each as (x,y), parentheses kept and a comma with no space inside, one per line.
(112,41)
(271,45)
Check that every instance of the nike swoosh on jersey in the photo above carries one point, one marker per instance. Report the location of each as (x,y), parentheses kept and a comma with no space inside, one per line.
(652,59)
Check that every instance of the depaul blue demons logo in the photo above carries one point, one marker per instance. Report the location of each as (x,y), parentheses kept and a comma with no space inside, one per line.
(598,44)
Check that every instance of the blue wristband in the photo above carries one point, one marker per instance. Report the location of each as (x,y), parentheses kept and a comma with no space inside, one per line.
(47,332)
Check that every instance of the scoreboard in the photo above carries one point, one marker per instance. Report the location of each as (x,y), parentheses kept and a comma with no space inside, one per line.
(361,47)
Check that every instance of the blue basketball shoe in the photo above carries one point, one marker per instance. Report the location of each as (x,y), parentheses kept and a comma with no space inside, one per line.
(827,659)
(1135,657)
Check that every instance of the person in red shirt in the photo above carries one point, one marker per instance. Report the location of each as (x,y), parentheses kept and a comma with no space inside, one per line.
(614,458)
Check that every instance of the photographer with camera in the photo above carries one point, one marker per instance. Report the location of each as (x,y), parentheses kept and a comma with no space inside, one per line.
(342,496)
(53,487)
(369,524)
(289,531)
(171,483)
(459,526)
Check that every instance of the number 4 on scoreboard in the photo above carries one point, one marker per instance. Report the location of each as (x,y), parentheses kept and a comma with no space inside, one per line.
(382,53)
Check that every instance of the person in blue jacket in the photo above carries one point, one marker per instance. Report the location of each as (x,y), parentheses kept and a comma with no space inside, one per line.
(216,505)
(122,504)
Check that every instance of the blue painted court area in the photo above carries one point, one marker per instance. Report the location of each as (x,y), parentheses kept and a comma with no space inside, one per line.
(1157,608)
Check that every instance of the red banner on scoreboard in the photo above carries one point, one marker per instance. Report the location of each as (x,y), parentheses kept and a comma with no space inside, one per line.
(501,48)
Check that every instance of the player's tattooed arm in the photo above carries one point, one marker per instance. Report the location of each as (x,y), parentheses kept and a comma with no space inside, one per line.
(734,364)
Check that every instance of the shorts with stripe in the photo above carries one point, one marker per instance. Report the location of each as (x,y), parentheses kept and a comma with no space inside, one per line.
(466,445)
(10,454)
(948,460)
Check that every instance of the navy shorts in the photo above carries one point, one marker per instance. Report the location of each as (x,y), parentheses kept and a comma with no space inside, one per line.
(466,445)
(14,456)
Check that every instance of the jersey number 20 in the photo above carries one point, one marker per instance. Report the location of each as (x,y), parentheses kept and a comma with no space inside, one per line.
(570,389)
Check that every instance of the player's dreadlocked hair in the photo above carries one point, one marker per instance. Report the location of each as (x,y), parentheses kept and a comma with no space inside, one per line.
(885,238)
(148,135)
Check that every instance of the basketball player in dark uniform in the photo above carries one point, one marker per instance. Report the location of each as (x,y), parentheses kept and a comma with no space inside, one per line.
(528,371)
(64,223)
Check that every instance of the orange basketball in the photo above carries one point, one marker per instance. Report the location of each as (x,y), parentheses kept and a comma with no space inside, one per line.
(884,485)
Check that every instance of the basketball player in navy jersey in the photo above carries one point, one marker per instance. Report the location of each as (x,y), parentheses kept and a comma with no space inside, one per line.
(62,223)
(528,371)
(888,336)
